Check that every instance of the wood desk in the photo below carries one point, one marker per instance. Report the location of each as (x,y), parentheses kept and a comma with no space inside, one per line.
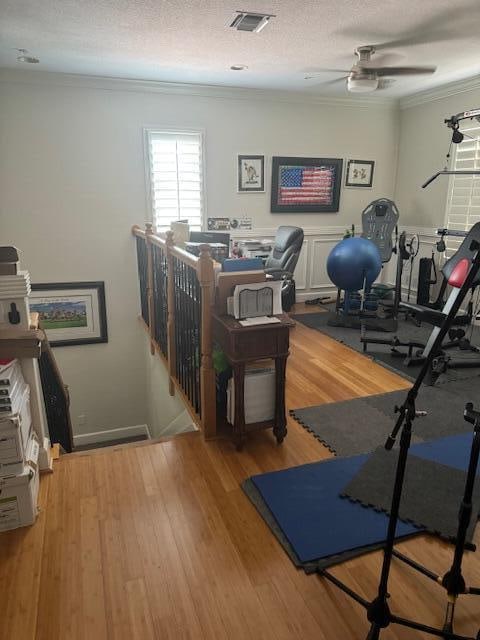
(242,345)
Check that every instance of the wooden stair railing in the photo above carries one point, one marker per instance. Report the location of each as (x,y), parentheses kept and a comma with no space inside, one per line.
(56,399)
(178,291)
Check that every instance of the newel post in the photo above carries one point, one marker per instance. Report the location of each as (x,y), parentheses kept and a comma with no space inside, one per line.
(206,277)
(151,314)
(171,355)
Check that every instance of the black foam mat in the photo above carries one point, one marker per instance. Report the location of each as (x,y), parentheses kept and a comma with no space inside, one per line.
(431,497)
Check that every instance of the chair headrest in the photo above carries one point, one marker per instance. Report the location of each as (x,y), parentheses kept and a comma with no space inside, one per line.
(286,236)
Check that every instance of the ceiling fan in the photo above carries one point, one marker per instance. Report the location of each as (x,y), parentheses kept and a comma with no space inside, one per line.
(366,76)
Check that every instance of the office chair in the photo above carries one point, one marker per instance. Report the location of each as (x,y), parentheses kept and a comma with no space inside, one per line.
(283,259)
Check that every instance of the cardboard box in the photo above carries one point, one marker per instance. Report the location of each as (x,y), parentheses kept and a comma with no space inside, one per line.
(19,496)
(8,469)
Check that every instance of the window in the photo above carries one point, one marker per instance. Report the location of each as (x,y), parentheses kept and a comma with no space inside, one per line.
(176,177)
(463,203)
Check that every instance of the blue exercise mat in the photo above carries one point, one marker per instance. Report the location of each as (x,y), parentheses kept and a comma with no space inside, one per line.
(318,523)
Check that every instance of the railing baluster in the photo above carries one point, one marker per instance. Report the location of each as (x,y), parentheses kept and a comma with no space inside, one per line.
(176,294)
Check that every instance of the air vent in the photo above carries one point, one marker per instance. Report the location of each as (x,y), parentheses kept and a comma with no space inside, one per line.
(255,22)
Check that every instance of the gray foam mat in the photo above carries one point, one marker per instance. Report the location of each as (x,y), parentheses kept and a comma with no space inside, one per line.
(347,428)
(359,426)
(431,497)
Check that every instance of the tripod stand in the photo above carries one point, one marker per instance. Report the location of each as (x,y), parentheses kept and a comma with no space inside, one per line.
(378,611)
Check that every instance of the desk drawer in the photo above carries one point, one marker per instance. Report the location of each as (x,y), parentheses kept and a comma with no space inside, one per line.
(258,345)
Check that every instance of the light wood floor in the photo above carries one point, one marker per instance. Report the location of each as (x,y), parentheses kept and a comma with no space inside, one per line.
(158,540)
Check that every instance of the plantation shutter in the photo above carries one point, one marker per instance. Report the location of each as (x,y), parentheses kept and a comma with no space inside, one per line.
(463,203)
(176,178)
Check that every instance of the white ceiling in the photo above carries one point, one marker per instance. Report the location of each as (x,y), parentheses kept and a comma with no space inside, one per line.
(190,40)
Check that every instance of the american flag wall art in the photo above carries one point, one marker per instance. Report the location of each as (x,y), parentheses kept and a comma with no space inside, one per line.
(306,184)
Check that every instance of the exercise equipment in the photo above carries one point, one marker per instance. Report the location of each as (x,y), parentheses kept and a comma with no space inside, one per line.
(463,276)
(379,222)
(354,264)
(417,352)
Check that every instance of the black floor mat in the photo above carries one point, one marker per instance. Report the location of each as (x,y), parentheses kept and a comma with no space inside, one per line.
(359,426)
(431,495)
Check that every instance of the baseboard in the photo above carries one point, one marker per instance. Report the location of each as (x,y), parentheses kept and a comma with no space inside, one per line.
(311,295)
(111,434)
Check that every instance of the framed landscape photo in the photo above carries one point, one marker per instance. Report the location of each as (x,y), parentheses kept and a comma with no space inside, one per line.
(71,313)
(306,185)
(251,174)
(359,173)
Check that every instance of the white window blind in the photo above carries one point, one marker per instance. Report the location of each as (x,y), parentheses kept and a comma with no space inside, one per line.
(463,203)
(176,177)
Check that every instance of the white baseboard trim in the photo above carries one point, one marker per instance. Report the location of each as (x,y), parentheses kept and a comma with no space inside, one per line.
(311,295)
(111,434)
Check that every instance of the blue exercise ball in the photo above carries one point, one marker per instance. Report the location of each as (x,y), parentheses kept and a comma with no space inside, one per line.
(354,262)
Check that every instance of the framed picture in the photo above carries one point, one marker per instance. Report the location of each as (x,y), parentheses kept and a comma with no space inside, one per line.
(359,173)
(71,313)
(251,174)
(306,185)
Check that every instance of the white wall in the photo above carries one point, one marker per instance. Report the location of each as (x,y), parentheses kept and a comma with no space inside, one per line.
(424,141)
(72,183)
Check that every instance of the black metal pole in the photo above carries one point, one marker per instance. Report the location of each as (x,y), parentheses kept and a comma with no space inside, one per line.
(378,612)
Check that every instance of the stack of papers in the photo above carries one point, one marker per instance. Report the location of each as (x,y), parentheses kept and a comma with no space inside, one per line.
(250,322)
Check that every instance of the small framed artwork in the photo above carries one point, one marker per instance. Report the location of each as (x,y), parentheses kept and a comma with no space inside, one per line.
(251,174)
(306,185)
(359,173)
(71,313)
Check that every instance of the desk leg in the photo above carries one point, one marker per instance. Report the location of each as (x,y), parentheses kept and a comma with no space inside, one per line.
(280,428)
(239,426)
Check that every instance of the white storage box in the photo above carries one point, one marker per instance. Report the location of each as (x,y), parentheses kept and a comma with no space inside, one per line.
(15,431)
(9,374)
(259,396)
(13,468)
(19,496)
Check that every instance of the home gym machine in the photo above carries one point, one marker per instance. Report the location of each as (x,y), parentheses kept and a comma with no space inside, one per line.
(379,224)
(462,278)
(378,610)
(416,352)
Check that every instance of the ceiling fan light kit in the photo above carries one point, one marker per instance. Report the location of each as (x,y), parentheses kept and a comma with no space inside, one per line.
(361,85)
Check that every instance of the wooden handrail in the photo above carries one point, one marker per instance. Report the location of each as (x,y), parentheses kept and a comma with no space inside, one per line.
(203,266)
(160,242)
(138,231)
(185,256)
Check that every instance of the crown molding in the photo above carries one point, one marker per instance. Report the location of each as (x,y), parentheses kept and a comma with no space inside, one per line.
(48,78)
(439,93)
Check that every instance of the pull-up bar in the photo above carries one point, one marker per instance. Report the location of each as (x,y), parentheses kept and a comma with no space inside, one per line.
(457,137)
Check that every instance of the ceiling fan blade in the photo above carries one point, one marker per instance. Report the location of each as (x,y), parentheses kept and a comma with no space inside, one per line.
(401,71)
(334,81)
(319,74)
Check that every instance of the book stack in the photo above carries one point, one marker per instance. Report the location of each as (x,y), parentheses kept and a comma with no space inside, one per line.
(19,449)
(14,290)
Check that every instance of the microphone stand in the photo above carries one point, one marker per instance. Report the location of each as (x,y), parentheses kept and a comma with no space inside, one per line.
(378,610)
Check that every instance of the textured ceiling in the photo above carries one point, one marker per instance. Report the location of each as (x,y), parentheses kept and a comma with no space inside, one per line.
(190,41)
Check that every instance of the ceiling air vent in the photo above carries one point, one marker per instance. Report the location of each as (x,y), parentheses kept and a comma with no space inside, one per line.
(245,21)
